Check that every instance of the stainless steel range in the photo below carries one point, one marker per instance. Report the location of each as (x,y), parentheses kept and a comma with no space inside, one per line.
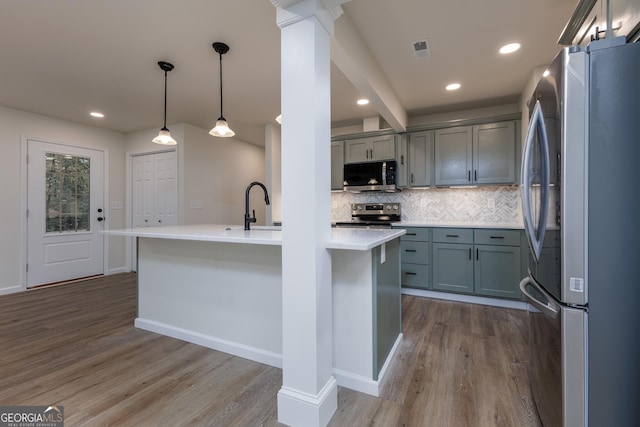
(372,215)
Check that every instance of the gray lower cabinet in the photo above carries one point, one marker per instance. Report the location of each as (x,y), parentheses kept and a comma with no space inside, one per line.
(453,260)
(415,255)
(497,271)
(485,262)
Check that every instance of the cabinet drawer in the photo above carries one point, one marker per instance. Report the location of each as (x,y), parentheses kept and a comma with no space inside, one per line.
(414,252)
(453,235)
(497,237)
(415,276)
(415,234)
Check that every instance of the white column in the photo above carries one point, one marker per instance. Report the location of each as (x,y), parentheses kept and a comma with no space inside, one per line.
(273,172)
(308,396)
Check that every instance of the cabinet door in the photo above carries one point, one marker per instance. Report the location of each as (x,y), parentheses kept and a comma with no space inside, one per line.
(383,147)
(494,158)
(497,271)
(403,161)
(421,159)
(453,156)
(357,150)
(453,267)
(337,165)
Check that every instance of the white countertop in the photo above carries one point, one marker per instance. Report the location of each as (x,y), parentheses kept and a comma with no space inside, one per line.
(341,238)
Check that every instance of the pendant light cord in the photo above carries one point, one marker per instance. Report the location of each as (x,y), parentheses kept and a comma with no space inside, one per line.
(165,98)
(221,115)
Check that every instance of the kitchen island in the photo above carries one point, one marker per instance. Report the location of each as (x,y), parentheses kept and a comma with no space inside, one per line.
(221,287)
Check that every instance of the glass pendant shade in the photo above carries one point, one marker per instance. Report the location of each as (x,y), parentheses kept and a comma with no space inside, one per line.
(164,138)
(222,129)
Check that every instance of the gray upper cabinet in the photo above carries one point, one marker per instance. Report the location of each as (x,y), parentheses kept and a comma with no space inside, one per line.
(476,155)
(494,153)
(453,155)
(337,165)
(421,159)
(370,149)
(402,158)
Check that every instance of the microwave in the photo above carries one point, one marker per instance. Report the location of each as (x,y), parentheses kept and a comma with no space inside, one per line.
(371,176)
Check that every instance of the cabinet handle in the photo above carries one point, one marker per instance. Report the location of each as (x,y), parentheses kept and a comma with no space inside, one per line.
(410,250)
(477,255)
(409,273)
(412,177)
(469,175)
(452,235)
(411,234)
(469,253)
(402,159)
(496,237)
(475,175)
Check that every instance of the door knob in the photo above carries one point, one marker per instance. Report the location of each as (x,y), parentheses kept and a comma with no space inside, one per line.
(100,218)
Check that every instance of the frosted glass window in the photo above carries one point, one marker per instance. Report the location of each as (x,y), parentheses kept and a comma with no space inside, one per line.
(67,193)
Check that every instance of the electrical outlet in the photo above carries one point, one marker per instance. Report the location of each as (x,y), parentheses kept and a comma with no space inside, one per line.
(334,204)
(491,203)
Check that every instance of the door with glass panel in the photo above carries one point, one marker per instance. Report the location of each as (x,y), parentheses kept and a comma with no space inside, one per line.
(65,212)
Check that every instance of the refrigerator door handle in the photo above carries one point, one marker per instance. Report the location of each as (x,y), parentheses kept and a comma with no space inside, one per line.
(535,232)
(549,309)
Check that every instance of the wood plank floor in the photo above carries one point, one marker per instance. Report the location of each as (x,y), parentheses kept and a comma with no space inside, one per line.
(75,345)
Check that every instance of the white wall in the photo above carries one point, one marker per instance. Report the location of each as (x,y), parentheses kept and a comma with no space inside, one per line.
(214,171)
(16,124)
(273,171)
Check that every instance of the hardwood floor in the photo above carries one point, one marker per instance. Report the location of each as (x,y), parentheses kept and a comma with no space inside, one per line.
(75,345)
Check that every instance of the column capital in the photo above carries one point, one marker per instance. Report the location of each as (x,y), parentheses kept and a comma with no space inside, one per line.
(292,11)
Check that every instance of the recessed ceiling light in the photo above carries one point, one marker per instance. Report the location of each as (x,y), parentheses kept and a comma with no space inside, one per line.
(362,101)
(546,73)
(509,48)
(96,114)
(453,86)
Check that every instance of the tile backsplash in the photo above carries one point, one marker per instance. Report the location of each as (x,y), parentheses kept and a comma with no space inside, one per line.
(482,205)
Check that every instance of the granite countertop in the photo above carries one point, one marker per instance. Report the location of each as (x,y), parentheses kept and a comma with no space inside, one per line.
(341,238)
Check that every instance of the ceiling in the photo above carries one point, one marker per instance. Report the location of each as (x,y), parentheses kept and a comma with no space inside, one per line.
(65,58)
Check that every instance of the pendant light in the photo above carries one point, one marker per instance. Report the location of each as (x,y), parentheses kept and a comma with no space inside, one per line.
(164,136)
(221,129)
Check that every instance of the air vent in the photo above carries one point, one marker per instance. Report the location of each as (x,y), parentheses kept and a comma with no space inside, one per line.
(421,49)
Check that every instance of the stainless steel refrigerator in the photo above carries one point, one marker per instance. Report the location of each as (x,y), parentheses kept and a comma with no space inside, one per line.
(581,208)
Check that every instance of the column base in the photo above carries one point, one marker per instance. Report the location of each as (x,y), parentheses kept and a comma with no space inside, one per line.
(297,408)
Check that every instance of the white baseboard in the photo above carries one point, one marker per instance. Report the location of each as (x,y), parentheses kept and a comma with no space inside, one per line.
(297,408)
(11,290)
(241,350)
(118,270)
(363,384)
(472,299)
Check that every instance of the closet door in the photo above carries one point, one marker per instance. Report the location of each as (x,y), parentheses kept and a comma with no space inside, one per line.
(155,190)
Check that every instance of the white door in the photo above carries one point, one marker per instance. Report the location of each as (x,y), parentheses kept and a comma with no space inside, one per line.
(155,190)
(65,212)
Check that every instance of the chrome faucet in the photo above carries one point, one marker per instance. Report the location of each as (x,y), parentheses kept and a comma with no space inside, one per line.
(247,218)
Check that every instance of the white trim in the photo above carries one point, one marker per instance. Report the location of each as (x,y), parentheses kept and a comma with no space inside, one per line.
(241,350)
(117,271)
(364,384)
(472,299)
(11,290)
(23,201)
(297,408)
